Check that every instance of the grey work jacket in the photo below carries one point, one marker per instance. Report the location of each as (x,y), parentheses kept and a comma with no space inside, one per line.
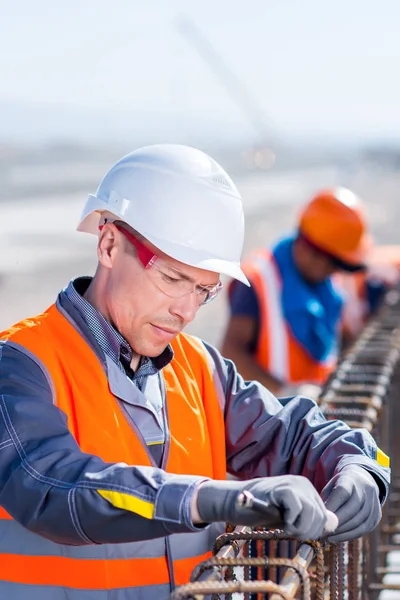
(263,437)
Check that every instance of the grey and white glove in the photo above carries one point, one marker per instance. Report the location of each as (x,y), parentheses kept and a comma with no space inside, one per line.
(353,495)
(292,504)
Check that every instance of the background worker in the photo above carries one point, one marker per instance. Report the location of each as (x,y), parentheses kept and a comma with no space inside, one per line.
(117,429)
(285,330)
(364,291)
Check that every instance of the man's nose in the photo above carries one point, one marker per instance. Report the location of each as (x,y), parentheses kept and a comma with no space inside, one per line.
(185,307)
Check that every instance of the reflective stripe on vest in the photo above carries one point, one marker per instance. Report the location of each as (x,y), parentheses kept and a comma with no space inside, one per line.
(196,446)
(15,591)
(278,352)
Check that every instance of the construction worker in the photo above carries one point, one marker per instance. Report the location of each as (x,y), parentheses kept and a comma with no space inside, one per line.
(284,331)
(117,429)
(364,291)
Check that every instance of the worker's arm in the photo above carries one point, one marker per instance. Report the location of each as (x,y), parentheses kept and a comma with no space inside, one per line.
(240,333)
(54,489)
(265,436)
(241,336)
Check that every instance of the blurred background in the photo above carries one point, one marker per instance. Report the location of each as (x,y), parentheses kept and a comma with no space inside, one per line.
(288,95)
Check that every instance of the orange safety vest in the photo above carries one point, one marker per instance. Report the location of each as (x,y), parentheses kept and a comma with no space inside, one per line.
(277,350)
(100,427)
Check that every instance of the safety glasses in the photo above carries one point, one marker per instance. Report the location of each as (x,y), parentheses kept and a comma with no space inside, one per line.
(167,279)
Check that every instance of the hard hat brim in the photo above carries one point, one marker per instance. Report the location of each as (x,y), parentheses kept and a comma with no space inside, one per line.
(359,257)
(89,223)
(355,260)
(225,268)
(195,258)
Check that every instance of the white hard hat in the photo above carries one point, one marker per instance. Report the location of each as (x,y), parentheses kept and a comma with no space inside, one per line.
(179,199)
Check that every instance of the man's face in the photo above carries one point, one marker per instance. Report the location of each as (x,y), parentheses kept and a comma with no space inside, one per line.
(320,267)
(314,265)
(145,316)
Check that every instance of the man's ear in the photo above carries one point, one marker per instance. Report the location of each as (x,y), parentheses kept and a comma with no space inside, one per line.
(108,245)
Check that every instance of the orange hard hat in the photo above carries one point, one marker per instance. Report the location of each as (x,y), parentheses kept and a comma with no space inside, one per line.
(334,222)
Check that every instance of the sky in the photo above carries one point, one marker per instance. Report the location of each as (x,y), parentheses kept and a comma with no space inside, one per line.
(102,69)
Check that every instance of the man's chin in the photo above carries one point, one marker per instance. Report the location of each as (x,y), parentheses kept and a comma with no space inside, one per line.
(150,350)
(156,351)
(153,343)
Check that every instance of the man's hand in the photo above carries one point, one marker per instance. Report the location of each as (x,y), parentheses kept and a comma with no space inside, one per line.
(353,495)
(293,504)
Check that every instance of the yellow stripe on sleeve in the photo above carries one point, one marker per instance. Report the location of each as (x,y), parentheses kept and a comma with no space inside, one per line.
(382,459)
(127,502)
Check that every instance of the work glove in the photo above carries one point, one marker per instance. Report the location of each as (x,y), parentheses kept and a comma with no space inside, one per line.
(288,502)
(353,495)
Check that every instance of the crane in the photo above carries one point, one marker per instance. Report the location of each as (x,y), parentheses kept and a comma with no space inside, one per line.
(261,156)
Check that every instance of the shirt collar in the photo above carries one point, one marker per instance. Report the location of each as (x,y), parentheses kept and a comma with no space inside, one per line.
(112,343)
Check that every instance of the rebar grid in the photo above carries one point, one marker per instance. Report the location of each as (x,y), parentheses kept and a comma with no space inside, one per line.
(362,392)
